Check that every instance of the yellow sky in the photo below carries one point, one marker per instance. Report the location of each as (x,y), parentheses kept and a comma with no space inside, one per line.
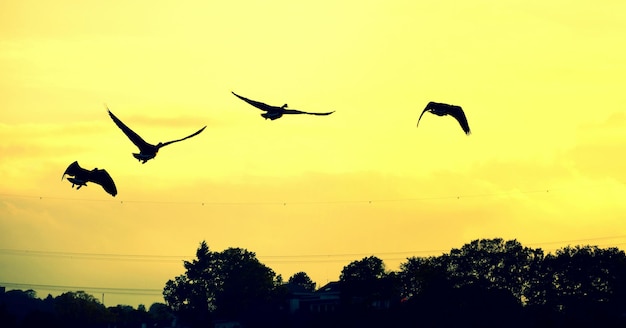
(542,85)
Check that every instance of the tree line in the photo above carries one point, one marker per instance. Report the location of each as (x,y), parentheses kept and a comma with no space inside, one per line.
(19,308)
(485,283)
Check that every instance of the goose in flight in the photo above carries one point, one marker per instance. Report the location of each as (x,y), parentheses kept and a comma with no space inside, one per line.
(81,176)
(442,109)
(274,112)
(146,151)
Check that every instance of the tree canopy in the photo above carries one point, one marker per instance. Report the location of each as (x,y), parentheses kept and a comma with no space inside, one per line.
(302,279)
(74,309)
(225,285)
(486,282)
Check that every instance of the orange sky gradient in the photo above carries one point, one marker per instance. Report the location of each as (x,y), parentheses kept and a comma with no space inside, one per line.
(542,85)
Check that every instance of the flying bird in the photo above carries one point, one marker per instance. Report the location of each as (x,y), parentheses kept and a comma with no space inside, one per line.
(81,176)
(146,151)
(442,109)
(274,112)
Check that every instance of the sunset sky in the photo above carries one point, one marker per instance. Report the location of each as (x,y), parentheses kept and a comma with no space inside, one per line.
(542,85)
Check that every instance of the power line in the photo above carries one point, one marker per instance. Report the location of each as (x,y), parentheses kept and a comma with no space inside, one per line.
(110,290)
(269,258)
(578,240)
(277,202)
(257,203)
(94,256)
(178,258)
(285,202)
(158,292)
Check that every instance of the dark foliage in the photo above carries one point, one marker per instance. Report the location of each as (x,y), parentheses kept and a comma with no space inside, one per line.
(366,285)
(485,283)
(72,309)
(228,285)
(303,280)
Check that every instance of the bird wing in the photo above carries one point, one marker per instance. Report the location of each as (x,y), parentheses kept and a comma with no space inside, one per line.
(424,111)
(295,111)
(257,104)
(103,178)
(134,137)
(187,137)
(459,115)
(72,169)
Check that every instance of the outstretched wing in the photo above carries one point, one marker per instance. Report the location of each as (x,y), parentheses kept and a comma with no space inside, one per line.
(103,178)
(187,137)
(295,111)
(134,137)
(257,104)
(459,115)
(73,169)
(424,111)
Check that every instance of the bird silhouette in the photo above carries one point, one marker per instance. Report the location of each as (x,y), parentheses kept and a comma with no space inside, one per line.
(146,151)
(442,109)
(275,112)
(81,176)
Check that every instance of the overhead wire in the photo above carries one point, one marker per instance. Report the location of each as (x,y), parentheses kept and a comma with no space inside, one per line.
(289,202)
(275,202)
(158,292)
(269,258)
(167,258)
(111,290)
(92,256)
(302,258)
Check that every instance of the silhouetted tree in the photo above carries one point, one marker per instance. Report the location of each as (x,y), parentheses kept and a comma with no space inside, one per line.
(367,269)
(127,316)
(161,315)
(484,283)
(586,283)
(495,263)
(79,309)
(302,279)
(365,284)
(420,274)
(246,282)
(192,295)
(19,308)
(226,285)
